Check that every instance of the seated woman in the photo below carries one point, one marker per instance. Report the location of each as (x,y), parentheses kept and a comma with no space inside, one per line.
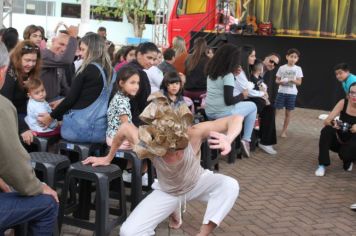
(173,146)
(220,101)
(24,65)
(339,136)
(85,106)
(267,131)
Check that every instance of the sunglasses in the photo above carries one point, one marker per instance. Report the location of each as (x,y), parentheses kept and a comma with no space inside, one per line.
(273,62)
(28,48)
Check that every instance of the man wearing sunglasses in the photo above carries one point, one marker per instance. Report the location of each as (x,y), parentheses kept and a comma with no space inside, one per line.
(270,63)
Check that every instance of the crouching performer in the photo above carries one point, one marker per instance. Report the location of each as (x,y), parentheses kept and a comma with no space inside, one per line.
(173,146)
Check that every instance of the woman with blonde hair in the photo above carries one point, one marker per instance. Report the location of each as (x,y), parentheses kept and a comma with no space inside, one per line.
(85,106)
(24,65)
(181,53)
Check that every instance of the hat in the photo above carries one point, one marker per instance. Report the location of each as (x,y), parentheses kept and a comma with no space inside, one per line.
(166,127)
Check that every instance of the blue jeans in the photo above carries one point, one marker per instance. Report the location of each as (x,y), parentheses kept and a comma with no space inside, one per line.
(246,109)
(39,211)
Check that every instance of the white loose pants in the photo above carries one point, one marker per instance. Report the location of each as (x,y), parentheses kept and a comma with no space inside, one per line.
(218,190)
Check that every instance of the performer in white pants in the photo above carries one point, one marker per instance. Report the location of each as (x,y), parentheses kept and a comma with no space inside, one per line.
(173,145)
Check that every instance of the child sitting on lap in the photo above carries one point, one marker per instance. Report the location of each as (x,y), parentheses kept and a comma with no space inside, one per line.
(37,104)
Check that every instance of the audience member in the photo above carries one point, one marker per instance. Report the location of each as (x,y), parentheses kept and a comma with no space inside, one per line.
(37,104)
(343,75)
(34,34)
(169,59)
(128,55)
(55,61)
(270,63)
(102,32)
(195,63)
(177,163)
(181,53)
(88,98)
(220,101)
(24,65)
(289,76)
(172,88)
(10,38)
(33,202)
(146,54)
(154,74)
(339,136)
(266,112)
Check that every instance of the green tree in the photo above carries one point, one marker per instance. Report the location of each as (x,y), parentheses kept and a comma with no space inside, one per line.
(136,12)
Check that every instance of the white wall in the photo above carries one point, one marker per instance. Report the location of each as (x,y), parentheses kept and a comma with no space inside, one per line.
(116,31)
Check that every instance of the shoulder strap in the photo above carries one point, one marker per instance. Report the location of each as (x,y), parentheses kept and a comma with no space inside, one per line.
(346,101)
(102,72)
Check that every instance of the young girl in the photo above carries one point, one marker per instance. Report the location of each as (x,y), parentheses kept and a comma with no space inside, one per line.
(119,112)
(172,88)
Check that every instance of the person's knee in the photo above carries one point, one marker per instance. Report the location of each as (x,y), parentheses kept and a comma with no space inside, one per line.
(230,187)
(326,130)
(50,204)
(127,230)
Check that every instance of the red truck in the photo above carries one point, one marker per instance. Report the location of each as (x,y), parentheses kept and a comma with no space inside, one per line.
(202,15)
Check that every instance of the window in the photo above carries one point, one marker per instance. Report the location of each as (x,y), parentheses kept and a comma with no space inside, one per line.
(191,7)
(45,8)
(70,10)
(195,7)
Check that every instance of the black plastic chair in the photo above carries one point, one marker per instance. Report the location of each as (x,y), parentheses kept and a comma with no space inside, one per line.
(49,165)
(136,180)
(101,176)
(83,150)
(42,143)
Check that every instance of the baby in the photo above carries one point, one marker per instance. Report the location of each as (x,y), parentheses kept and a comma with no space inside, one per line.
(37,104)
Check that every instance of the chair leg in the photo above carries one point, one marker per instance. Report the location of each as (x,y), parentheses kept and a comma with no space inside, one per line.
(102,206)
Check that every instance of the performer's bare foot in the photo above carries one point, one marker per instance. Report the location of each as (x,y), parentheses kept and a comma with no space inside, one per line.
(284,135)
(175,220)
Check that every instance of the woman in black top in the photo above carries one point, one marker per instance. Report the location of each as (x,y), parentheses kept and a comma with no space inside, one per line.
(24,65)
(339,137)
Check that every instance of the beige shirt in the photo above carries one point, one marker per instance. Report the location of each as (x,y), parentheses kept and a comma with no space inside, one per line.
(180,177)
(15,167)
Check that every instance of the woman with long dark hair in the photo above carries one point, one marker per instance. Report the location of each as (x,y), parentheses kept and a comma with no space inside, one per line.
(220,101)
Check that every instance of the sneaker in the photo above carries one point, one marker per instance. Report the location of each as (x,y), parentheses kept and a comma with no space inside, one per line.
(353,207)
(126,176)
(268,149)
(350,167)
(145,179)
(320,171)
(245,145)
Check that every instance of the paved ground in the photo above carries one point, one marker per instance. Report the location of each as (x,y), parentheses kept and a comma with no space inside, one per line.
(279,195)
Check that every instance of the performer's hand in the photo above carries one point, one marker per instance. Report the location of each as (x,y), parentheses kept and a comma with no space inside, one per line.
(97,161)
(219,141)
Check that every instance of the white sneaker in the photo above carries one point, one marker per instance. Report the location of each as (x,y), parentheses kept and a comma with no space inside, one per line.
(145,179)
(350,167)
(268,149)
(126,176)
(353,207)
(320,171)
